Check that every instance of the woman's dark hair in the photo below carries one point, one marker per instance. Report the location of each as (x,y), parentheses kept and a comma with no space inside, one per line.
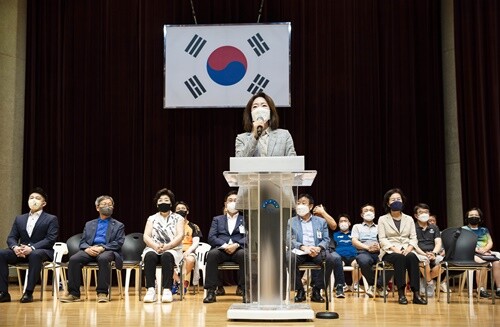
(164,191)
(181,202)
(274,121)
(388,194)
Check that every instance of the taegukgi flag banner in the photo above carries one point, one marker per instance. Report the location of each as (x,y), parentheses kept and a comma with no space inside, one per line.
(224,65)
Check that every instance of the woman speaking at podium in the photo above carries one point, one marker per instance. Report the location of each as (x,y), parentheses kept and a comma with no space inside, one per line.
(262,137)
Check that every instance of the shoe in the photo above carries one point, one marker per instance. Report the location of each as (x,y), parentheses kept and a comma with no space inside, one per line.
(339,291)
(211,297)
(316,296)
(150,296)
(300,296)
(346,288)
(26,298)
(4,297)
(175,288)
(483,294)
(370,291)
(239,291)
(102,298)
(418,300)
(355,287)
(444,287)
(69,298)
(430,289)
(422,286)
(380,292)
(166,297)
(402,300)
(220,291)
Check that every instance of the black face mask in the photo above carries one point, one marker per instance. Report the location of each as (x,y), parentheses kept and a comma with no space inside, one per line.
(164,207)
(473,220)
(183,213)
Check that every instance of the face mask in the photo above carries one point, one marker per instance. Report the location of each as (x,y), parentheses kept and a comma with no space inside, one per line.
(261,114)
(231,207)
(368,216)
(423,217)
(473,220)
(164,207)
(183,213)
(396,206)
(344,226)
(34,204)
(302,210)
(106,211)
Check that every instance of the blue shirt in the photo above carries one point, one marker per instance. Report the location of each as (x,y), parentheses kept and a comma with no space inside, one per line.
(344,245)
(102,230)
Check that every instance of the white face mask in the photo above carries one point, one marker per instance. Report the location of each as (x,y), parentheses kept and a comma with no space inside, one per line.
(344,226)
(34,204)
(261,114)
(423,217)
(231,207)
(302,210)
(368,216)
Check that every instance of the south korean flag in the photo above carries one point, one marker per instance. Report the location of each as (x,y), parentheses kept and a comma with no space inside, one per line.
(224,65)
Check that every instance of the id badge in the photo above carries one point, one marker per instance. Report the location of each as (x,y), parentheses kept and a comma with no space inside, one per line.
(242,229)
(319,235)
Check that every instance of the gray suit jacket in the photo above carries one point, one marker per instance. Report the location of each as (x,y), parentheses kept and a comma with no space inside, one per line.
(294,234)
(280,144)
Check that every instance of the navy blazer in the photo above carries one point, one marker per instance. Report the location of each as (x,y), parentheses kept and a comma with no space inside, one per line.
(115,236)
(44,233)
(219,232)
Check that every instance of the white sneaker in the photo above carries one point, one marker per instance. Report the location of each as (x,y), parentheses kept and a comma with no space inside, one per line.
(166,297)
(430,289)
(150,296)
(370,291)
(355,287)
(444,287)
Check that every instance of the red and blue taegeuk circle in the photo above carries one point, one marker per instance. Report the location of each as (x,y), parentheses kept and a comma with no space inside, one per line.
(226,65)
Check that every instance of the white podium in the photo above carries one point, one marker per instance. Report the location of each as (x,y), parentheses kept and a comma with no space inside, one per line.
(266,196)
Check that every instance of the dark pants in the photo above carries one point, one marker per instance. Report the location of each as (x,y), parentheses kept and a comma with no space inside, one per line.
(366,260)
(216,256)
(151,260)
(403,263)
(81,258)
(35,263)
(321,278)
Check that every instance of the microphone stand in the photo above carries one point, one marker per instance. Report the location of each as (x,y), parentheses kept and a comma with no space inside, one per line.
(326,314)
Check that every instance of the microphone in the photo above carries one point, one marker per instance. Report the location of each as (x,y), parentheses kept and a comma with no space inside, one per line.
(259,128)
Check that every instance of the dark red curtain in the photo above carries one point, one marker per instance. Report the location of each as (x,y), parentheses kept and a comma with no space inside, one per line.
(366,106)
(477,43)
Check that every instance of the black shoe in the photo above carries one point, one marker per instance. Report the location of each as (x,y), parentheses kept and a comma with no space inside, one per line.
(316,296)
(239,291)
(339,291)
(4,297)
(300,296)
(27,298)
(220,291)
(211,298)
(402,300)
(483,294)
(417,299)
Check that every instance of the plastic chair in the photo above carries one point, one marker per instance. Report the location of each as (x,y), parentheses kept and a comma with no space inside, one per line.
(460,248)
(201,260)
(132,256)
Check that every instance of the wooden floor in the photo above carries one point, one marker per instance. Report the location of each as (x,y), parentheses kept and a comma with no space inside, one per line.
(192,312)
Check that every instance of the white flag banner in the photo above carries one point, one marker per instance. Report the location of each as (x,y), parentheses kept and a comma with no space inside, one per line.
(224,65)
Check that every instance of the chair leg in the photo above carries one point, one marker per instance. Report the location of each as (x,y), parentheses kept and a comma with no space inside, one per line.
(127,279)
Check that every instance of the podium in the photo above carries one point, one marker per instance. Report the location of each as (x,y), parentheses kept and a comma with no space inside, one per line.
(267,199)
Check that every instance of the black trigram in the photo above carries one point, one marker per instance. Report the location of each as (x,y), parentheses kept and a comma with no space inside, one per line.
(195,45)
(195,87)
(259,83)
(258,44)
